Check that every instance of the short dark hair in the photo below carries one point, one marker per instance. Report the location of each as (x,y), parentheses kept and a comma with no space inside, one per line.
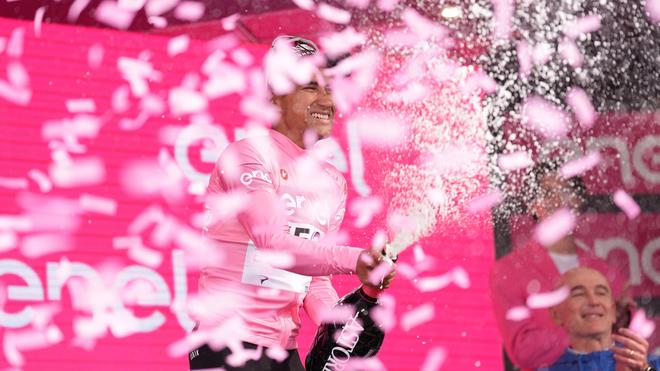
(532,188)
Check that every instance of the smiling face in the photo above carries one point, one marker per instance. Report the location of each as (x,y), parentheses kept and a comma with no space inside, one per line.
(309,106)
(589,309)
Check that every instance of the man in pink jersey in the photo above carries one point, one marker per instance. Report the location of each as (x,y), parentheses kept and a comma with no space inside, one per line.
(276,259)
(537,341)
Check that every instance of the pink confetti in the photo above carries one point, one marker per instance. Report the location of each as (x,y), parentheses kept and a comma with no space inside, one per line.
(82,172)
(641,325)
(17,223)
(95,56)
(460,278)
(379,129)
(503,10)
(225,206)
(13,183)
(75,9)
(417,316)
(159,7)
(277,353)
(157,21)
(38,19)
(333,14)
(15,44)
(626,203)
(80,105)
(339,43)
(338,314)
(17,74)
(542,53)
(305,4)
(479,81)
(485,202)
(13,94)
(411,93)
(518,313)
(514,161)
(8,241)
(120,101)
(360,4)
(387,5)
(544,117)
(652,8)
(581,105)
(548,299)
(146,256)
(378,274)
(434,359)
(111,14)
(555,227)
(16,342)
(229,23)
(423,27)
(524,53)
(582,26)
(570,52)
(242,57)
(98,204)
(276,259)
(38,245)
(581,165)
(225,80)
(41,179)
(189,11)
(260,109)
(132,5)
(434,283)
(136,72)
(364,209)
(178,45)
(184,101)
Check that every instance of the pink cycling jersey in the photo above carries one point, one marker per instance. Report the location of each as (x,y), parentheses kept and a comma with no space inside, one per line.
(292,200)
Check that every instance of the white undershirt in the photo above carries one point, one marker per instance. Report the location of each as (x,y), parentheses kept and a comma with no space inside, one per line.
(565,262)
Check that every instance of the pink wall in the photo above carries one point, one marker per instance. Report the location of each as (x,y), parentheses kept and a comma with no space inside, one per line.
(57,65)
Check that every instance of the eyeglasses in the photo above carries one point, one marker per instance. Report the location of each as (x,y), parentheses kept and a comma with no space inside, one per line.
(302,46)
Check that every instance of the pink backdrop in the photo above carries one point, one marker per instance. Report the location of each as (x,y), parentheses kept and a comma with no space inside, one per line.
(35,219)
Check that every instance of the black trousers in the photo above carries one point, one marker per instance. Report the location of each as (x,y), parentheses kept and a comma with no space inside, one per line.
(204,357)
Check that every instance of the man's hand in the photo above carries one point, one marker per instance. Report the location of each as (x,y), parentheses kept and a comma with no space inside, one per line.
(633,356)
(366,267)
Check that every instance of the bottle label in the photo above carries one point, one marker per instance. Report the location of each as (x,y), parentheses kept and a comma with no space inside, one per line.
(346,342)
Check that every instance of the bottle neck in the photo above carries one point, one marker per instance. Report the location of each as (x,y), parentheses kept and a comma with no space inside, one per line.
(371,292)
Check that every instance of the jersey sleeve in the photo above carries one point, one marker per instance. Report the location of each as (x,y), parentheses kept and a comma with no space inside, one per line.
(243,168)
(320,298)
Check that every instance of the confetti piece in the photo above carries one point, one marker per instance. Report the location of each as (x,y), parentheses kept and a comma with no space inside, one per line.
(581,105)
(13,183)
(136,72)
(423,27)
(159,7)
(305,4)
(98,204)
(189,11)
(548,299)
(17,74)
(518,313)
(542,53)
(339,43)
(434,283)
(384,314)
(120,101)
(157,21)
(184,101)
(8,241)
(582,25)
(95,56)
(364,209)
(503,10)
(364,364)
(479,81)
(417,316)
(242,57)
(145,256)
(514,161)
(524,54)
(82,172)
(570,52)
(413,92)
(13,94)
(387,5)
(460,278)
(38,245)
(38,19)
(333,14)
(229,23)
(178,45)
(641,325)
(555,227)
(652,8)
(15,44)
(360,4)
(277,353)
(626,203)
(80,105)
(75,9)
(259,109)
(378,274)
(581,165)
(544,117)
(485,202)
(378,129)
(111,14)
(434,360)
(338,314)
(132,5)
(18,223)
(41,179)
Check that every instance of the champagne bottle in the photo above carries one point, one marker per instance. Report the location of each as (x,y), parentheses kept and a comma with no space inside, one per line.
(336,343)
